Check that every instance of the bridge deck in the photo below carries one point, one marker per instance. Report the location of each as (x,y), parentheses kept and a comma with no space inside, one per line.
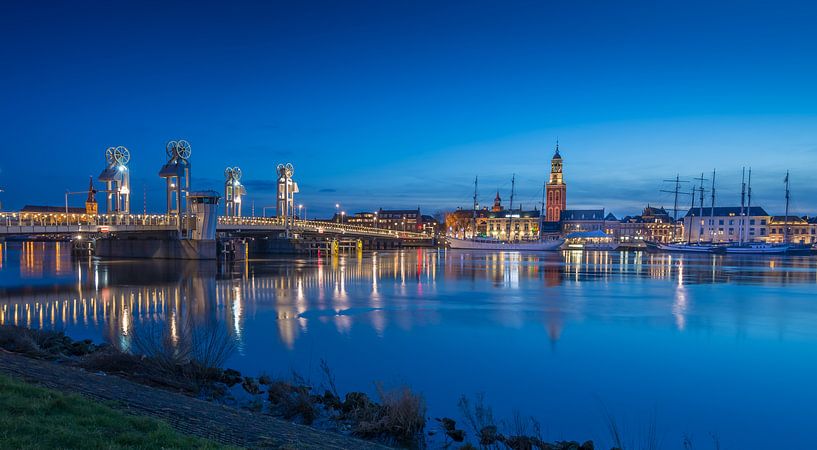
(16,223)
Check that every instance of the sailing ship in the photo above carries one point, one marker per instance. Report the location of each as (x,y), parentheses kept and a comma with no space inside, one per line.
(489,243)
(689,246)
(745,247)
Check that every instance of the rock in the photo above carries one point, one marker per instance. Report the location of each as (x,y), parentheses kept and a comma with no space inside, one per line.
(231,377)
(448,423)
(487,435)
(251,386)
(356,401)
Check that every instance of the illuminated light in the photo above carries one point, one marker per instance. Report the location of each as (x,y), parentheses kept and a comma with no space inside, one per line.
(122,168)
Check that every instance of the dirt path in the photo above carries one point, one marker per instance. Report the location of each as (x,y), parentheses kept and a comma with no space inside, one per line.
(186,414)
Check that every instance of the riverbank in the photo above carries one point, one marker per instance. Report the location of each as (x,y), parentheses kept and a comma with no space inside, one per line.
(35,417)
(185,414)
(195,396)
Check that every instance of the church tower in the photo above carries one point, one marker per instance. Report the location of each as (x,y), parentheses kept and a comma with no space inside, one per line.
(556,189)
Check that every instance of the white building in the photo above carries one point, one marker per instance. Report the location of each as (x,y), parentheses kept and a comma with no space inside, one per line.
(726,224)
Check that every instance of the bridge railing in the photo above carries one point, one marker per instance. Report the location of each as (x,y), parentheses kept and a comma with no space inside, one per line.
(320,226)
(34,219)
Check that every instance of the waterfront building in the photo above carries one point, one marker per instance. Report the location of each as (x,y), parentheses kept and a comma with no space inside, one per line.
(726,224)
(653,225)
(392,219)
(574,220)
(467,223)
(555,190)
(800,230)
(513,225)
(91,206)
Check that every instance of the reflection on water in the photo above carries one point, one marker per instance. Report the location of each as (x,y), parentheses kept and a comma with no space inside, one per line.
(692,335)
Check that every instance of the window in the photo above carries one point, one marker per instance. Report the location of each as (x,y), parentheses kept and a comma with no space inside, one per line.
(751,221)
(763,232)
(720,222)
(763,221)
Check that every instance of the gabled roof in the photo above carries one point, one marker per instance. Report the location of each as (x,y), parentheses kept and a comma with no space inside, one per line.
(792,219)
(610,217)
(582,214)
(726,211)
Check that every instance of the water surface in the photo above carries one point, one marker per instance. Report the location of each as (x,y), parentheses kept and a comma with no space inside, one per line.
(702,345)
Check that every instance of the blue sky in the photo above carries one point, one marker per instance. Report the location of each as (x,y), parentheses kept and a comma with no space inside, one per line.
(400,104)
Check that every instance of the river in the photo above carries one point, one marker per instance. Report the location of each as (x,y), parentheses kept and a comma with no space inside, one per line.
(701,346)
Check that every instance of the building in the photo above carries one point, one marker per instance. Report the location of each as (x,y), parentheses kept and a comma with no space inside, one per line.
(556,190)
(800,230)
(513,225)
(574,220)
(653,225)
(467,223)
(726,224)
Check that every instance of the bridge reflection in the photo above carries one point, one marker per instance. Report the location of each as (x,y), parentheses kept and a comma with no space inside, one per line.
(112,299)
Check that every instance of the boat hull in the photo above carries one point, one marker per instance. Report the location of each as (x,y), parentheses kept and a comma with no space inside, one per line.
(689,248)
(758,250)
(544,246)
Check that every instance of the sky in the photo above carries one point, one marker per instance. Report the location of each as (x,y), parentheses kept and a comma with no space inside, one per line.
(400,104)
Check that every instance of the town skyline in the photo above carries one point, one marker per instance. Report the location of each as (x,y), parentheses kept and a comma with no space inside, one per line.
(400,105)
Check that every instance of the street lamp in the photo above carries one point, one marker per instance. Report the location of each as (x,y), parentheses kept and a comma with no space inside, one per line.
(300,208)
(375,219)
(342,216)
(337,210)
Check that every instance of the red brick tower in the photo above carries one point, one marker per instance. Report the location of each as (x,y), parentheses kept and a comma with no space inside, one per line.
(556,189)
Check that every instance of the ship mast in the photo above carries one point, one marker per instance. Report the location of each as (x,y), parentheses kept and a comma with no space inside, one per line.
(476,205)
(748,206)
(700,209)
(510,208)
(786,218)
(742,204)
(675,191)
(712,212)
(542,209)
(692,217)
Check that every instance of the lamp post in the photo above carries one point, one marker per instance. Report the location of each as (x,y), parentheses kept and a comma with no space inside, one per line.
(375,219)
(337,212)
(342,216)
(300,209)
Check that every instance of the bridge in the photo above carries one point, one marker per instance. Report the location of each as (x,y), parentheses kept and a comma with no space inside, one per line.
(24,224)
(191,227)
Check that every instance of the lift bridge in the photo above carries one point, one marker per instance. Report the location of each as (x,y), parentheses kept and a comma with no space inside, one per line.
(192,219)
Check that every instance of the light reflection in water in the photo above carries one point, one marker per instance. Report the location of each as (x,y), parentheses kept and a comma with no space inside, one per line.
(425,313)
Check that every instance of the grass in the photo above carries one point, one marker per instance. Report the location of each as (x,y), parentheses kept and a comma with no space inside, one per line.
(35,417)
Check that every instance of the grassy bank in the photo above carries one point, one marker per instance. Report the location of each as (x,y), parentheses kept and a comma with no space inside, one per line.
(34,417)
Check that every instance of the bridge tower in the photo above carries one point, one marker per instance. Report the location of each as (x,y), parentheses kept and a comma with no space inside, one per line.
(287,188)
(204,205)
(233,190)
(176,173)
(116,177)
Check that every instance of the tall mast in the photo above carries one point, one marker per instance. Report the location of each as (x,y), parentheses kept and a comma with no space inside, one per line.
(748,206)
(542,209)
(712,211)
(476,205)
(691,218)
(675,191)
(510,208)
(700,208)
(786,218)
(742,204)
(513,183)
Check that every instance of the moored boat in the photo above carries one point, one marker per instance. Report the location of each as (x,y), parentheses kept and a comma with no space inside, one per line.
(690,248)
(756,248)
(495,244)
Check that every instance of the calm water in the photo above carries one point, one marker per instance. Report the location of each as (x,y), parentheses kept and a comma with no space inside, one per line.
(700,344)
